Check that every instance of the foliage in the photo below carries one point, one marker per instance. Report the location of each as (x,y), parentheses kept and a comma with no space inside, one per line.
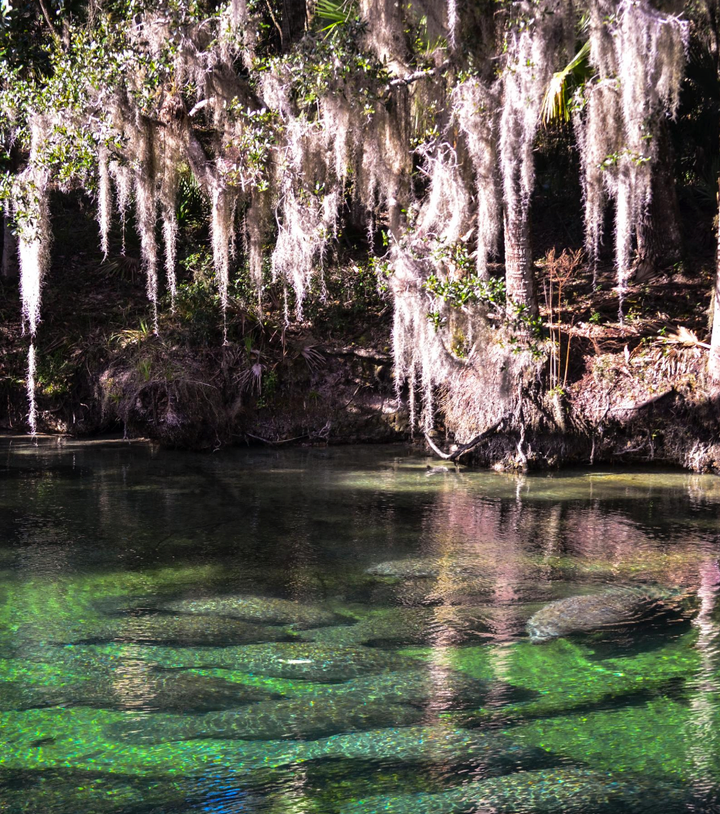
(275,136)
(468,290)
(558,100)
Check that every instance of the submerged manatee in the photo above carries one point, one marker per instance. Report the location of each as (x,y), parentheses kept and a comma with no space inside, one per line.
(415,568)
(431,744)
(149,690)
(443,689)
(408,626)
(548,791)
(294,660)
(263,610)
(295,719)
(614,606)
(64,471)
(158,629)
(65,790)
(428,567)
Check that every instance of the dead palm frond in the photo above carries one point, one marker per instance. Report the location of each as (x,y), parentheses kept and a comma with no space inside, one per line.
(249,380)
(685,337)
(313,357)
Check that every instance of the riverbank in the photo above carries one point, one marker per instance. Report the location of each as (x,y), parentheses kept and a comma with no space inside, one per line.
(594,389)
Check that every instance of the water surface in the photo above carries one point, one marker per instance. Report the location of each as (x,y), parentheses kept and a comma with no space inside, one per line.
(343,630)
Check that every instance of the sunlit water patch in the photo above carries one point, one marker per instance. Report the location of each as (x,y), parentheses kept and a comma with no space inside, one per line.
(337,631)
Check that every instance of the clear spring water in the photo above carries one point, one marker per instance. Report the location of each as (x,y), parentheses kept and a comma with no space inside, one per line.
(340,630)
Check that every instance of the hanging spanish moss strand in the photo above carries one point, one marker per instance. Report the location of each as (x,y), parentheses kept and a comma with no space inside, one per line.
(34,253)
(452,23)
(639,56)
(122,176)
(475,108)
(34,230)
(146,213)
(104,200)
(169,187)
(714,356)
(32,411)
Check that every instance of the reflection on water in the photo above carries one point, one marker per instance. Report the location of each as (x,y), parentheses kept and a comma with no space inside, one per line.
(344,631)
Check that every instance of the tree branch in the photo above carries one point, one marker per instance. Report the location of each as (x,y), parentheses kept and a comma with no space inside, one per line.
(408,79)
(53,32)
(277,25)
(202,167)
(461,450)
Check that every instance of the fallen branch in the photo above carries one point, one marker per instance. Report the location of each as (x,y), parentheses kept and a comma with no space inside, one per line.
(276,443)
(322,433)
(461,450)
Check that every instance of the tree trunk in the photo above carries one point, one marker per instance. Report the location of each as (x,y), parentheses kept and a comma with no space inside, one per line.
(293,21)
(10,263)
(659,241)
(714,357)
(519,281)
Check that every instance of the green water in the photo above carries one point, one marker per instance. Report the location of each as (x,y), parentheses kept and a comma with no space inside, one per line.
(340,630)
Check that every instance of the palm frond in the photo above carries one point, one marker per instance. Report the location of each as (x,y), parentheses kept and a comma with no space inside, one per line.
(555,101)
(334,13)
(684,337)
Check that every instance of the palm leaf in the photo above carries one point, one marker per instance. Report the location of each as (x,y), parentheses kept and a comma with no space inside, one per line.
(555,101)
(334,13)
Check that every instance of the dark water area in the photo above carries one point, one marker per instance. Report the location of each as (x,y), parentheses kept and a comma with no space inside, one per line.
(339,631)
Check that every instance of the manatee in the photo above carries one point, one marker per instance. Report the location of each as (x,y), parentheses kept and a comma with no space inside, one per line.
(294,660)
(437,689)
(194,631)
(457,566)
(444,689)
(407,626)
(546,791)
(181,630)
(412,568)
(15,695)
(258,609)
(614,606)
(293,719)
(171,691)
(430,744)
